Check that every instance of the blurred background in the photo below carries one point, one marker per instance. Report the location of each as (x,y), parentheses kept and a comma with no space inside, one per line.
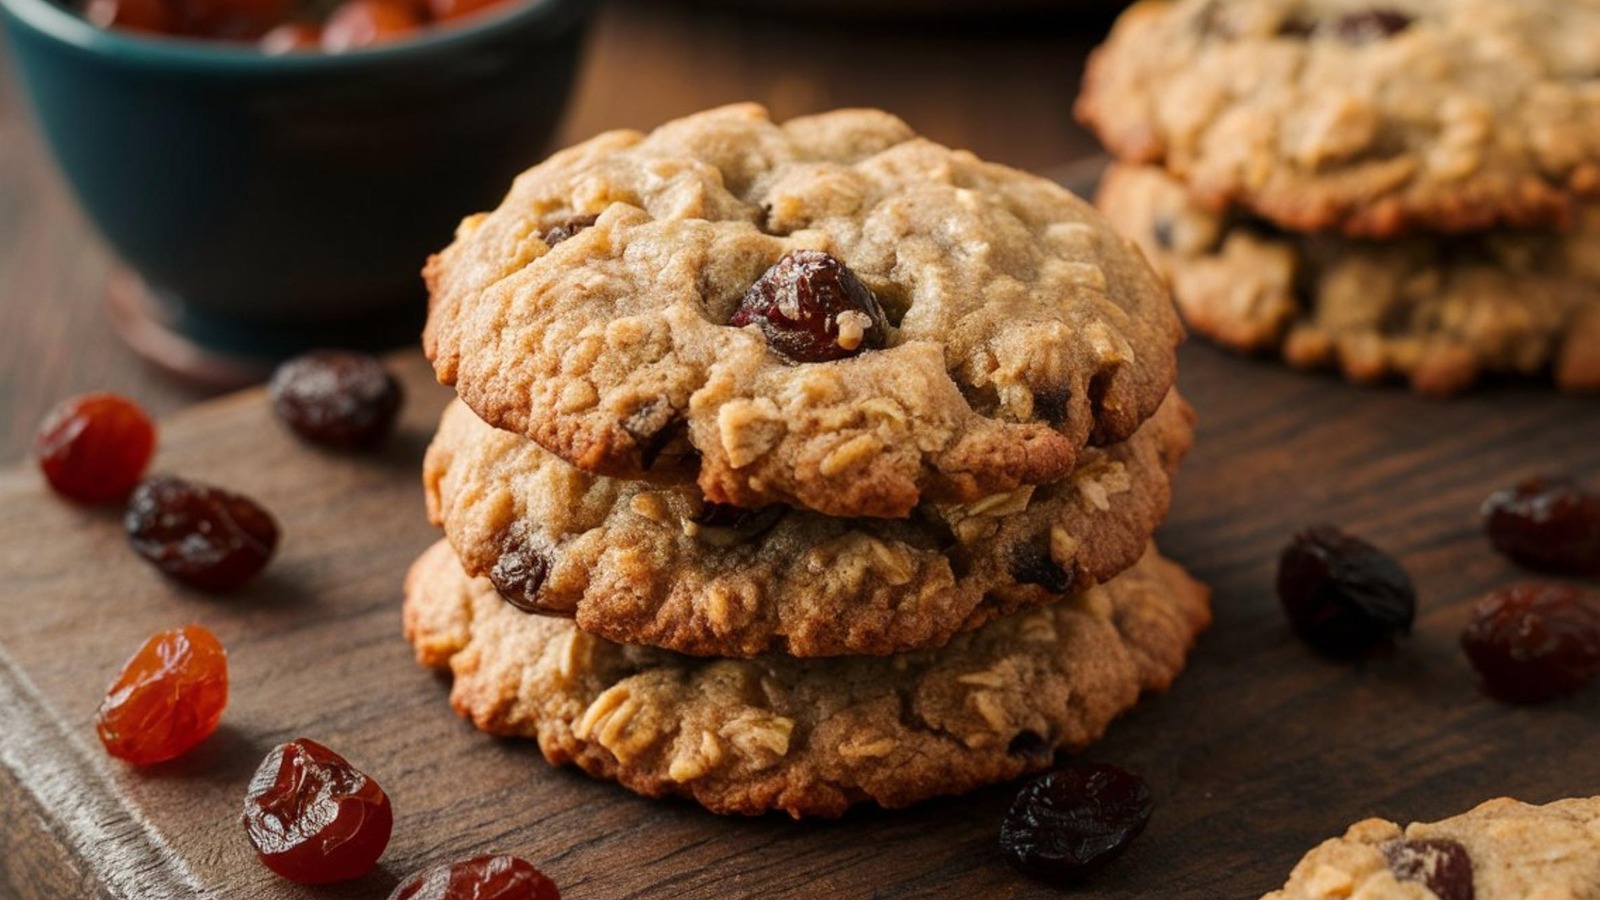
(996,77)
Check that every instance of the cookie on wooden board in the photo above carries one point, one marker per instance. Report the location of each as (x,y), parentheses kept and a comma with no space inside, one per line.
(809,737)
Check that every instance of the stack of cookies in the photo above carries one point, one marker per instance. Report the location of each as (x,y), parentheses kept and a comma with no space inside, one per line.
(799,465)
(1409,189)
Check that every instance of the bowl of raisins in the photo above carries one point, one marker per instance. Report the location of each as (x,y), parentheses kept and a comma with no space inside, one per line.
(276,171)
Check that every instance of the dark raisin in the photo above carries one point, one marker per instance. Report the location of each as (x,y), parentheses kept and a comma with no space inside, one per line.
(313,818)
(204,536)
(336,398)
(1442,866)
(1051,406)
(566,228)
(518,575)
(1343,596)
(482,878)
(813,309)
(1535,641)
(1030,745)
(1370,25)
(1067,825)
(1551,524)
(723,524)
(94,448)
(1032,565)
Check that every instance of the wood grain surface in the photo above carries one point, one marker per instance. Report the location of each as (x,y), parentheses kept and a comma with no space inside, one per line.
(1259,752)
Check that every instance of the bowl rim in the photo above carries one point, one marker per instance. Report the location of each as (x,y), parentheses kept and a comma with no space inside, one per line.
(58,23)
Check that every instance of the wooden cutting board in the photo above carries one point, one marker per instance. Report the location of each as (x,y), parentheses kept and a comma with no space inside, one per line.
(1258,753)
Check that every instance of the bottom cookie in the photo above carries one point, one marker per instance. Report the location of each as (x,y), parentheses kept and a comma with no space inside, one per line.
(809,737)
(1501,850)
(1438,311)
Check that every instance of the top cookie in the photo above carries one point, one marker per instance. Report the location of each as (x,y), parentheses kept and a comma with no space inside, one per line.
(1501,850)
(1373,119)
(976,326)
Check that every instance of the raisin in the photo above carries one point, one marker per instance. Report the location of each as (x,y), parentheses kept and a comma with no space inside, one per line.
(168,698)
(813,309)
(1033,565)
(566,228)
(1442,866)
(312,817)
(1067,825)
(1535,641)
(336,398)
(750,521)
(1052,406)
(518,575)
(1550,524)
(94,448)
(1370,25)
(482,878)
(1343,596)
(204,536)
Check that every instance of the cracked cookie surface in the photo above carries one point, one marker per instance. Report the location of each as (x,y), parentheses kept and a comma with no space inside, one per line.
(651,563)
(590,312)
(1438,311)
(1501,850)
(809,737)
(1370,118)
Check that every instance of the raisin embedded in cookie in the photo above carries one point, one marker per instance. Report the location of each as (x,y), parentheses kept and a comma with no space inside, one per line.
(655,564)
(810,737)
(1502,850)
(1372,118)
(831,313)
(1439,311)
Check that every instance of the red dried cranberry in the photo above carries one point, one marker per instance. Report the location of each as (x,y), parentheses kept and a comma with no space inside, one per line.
(1550,524)
(314,818)
(1343,596)
(518,575)
(1440,865)
(168,698)
(1067,825)
(482,878)
(1535,641)
(813,309)
(204,536)
(1370,25)
(94,448)
(336,398)
(567,228)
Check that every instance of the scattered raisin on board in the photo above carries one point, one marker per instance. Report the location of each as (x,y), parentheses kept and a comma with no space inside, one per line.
(201,535)
(1535,641)
(167,699)
(313,818)
(1067,825)
(336,398)
(1549,524)
(1342,595)
(94,448)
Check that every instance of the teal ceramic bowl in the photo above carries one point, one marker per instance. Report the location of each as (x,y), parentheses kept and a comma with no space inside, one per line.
(272,203)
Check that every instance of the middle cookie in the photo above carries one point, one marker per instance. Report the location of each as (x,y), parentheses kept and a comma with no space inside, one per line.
(655,564)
